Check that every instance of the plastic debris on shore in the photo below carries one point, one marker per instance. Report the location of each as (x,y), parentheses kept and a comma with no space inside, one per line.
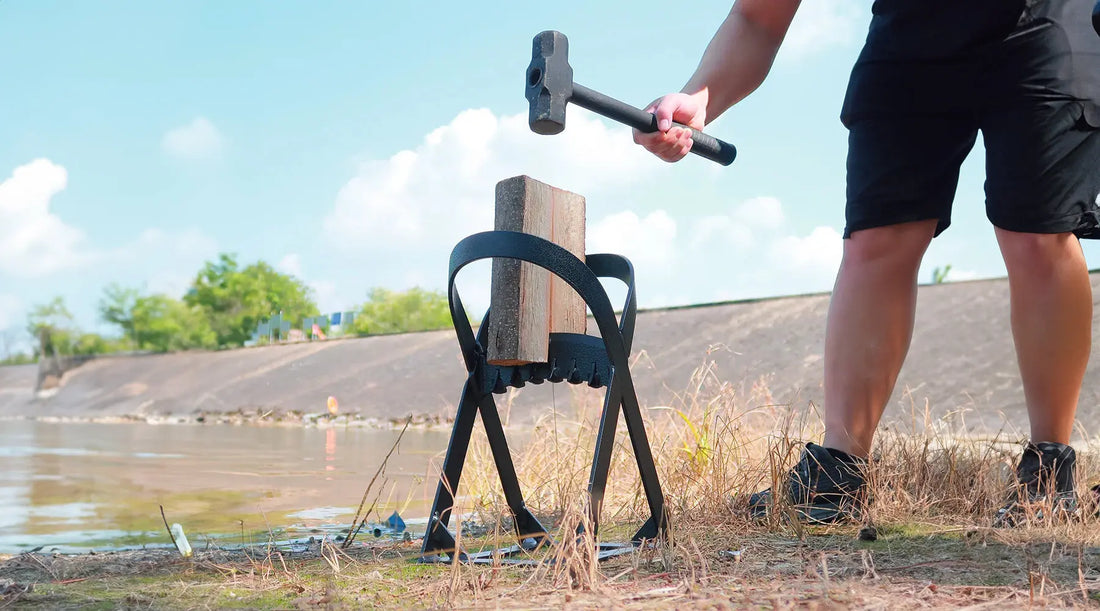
(181,541)
(732,554)
(393,527)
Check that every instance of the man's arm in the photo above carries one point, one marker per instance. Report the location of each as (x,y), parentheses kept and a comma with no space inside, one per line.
(734,64)
(741,53)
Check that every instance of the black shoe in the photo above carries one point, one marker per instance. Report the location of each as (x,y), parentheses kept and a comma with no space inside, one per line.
(825,487)
(1044,486)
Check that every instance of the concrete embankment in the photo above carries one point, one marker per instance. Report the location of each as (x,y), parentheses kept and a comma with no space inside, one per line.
(962,361)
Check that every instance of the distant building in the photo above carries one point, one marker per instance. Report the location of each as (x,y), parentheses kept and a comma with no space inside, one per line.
(325,326)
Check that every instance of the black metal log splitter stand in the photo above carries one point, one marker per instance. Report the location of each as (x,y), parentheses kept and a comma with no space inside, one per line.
(575,358)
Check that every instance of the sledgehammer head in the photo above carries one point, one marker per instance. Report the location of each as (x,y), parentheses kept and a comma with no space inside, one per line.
(549,82)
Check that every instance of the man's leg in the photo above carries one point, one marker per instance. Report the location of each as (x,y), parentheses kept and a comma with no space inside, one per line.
(1051,324)
(869,328)
(902,174)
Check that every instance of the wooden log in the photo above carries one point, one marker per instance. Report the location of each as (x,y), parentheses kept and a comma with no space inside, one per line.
(526,303)
(567,311)
(519,323)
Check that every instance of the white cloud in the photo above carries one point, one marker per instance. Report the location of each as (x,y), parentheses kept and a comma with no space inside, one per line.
(197,140)
(648,242)
(33,240)
(738,228)
(167,261)
(403,215)
(760,212)
(291,264)
(821,24)
(42,256)
(327,296)
(325,293)
(821,248)
(747,252)
(400,217)
(808,263)
(443,190)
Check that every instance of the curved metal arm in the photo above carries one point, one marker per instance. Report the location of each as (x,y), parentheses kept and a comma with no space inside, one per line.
(619,267)
(461,321)
(556,260)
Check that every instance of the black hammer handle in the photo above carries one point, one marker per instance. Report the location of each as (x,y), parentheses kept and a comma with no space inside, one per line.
(703,145)
(1096,18)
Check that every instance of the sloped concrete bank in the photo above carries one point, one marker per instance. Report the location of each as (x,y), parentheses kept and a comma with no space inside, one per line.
(962,361)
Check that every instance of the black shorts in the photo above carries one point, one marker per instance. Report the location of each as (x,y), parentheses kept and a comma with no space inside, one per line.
(913,120)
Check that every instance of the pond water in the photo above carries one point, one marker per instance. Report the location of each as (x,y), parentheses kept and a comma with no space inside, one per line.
(81,486)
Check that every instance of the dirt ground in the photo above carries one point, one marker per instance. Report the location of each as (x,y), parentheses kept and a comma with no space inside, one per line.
(911,566)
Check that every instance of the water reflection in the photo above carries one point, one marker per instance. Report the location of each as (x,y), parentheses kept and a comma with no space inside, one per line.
(330,451)
(81,485)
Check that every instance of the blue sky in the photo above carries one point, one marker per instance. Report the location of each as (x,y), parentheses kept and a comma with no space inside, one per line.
(353,143)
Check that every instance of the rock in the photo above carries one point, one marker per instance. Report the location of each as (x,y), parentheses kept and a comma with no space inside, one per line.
(868,533)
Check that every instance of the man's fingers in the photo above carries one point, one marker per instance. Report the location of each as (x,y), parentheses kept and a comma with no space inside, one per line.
(665,111)
(685,147)
(669,146)
(671,142)
(673,151)
(655,139)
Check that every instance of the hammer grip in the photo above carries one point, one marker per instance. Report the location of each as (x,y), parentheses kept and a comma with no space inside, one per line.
(703,145)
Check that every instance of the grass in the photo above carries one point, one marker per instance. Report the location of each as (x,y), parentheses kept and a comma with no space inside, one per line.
(934,493)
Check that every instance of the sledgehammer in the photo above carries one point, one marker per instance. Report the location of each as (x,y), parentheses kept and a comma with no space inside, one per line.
(550,87)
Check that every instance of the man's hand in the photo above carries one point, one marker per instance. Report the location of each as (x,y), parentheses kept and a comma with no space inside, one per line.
(733,65)
(672,143)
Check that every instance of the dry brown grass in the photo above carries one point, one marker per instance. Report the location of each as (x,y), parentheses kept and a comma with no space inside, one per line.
(934,493)
(719,442)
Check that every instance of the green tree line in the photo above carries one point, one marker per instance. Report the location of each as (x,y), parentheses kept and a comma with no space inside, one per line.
(221,309)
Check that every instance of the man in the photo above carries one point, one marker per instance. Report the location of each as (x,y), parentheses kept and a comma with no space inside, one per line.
(932,74)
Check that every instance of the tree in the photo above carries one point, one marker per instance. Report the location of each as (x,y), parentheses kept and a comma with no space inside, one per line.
(235,300)
(389,311)
(52,325)
(162,324)
(156,322)
(117,307)
(94,343)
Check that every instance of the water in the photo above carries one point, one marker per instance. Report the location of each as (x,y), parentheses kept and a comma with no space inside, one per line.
(82,486)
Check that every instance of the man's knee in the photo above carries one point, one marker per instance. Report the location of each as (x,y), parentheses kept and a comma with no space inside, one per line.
(901,243)
(1037,252)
